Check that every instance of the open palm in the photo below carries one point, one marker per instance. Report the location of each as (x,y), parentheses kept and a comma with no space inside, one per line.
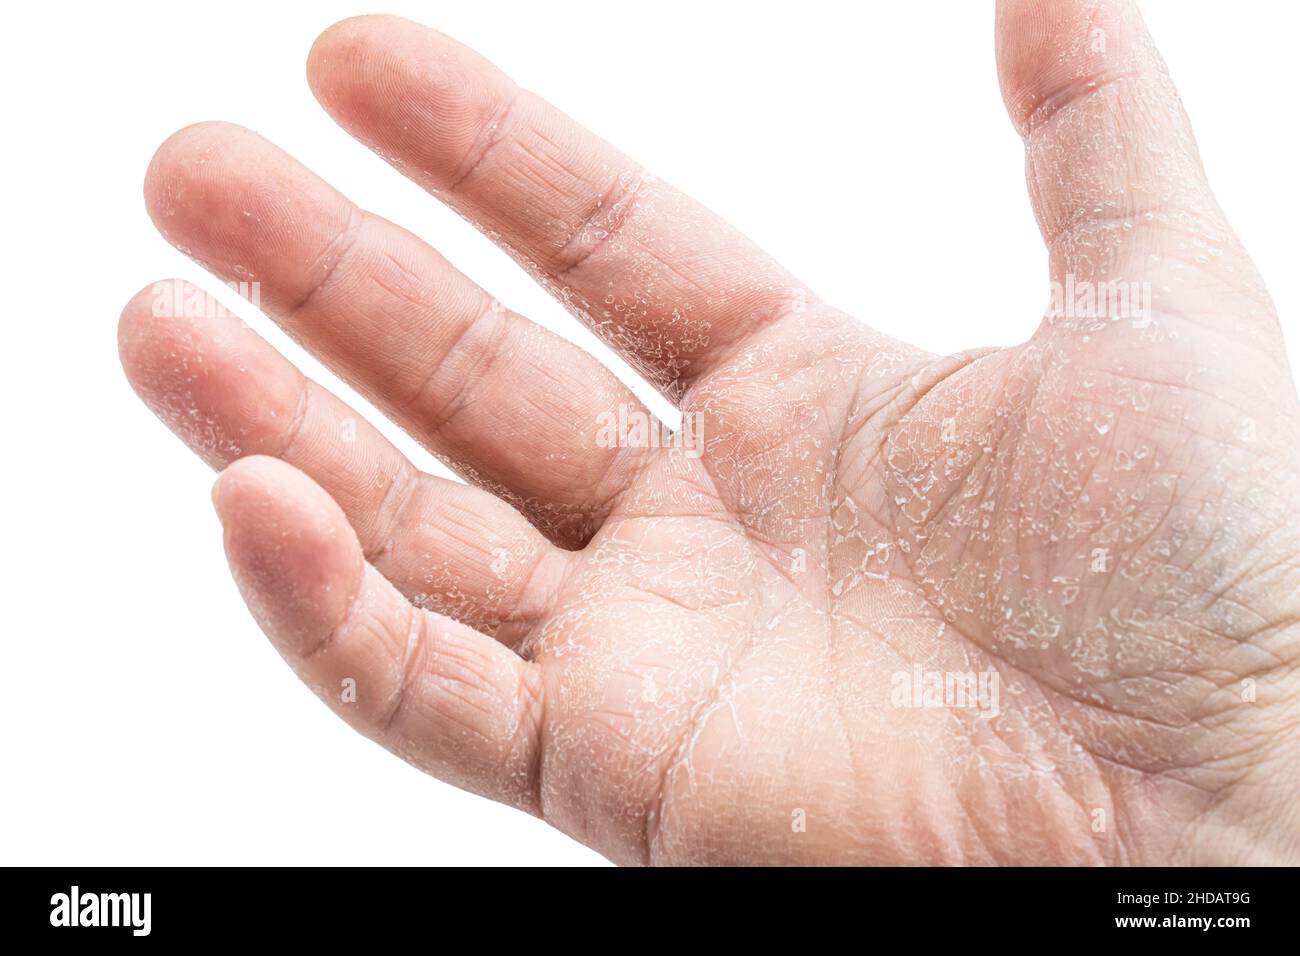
(1036,604)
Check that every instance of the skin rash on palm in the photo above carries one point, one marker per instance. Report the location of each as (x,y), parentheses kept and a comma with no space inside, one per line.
(745,649)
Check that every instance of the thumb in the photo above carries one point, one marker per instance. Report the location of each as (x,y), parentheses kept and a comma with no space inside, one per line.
(1110,155)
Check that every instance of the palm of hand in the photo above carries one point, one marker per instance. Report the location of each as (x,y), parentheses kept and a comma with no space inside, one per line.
(1091,533)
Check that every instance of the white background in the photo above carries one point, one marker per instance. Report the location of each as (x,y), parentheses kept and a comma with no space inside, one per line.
(143,717)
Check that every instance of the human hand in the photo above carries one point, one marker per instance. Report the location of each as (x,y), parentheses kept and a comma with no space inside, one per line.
(720,652)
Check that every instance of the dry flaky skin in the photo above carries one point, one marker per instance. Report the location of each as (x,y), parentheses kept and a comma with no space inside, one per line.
(698,666)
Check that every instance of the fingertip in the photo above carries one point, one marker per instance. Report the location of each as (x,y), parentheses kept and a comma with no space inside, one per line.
(342,51)
(251,484)
(137,312)
(358,34)
(245,210)
(1047,48)
(293,555)
(151,342)
(179,162)
(133,328)
(339,37)
(265,487)
(407,90)
(204,373)
(199,181)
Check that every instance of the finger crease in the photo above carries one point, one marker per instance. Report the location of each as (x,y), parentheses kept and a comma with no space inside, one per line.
(388,516)
(416,637)
(294,428)
(602,225)
(331,256)
(493,132)
(440,417)
(1071,93)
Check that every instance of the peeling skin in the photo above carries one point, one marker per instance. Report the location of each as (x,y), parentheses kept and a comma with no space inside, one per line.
(676,654)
